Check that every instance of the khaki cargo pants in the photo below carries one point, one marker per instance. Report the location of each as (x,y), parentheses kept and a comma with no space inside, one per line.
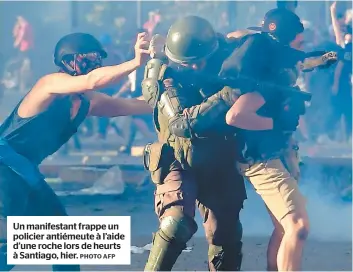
(276,181)
(219,197)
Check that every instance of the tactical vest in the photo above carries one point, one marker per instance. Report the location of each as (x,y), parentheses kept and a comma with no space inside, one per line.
(192,154)
(204,153)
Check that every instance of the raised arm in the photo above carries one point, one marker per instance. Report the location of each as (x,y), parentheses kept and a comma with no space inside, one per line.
(62,83)
(243,113)
(336,25)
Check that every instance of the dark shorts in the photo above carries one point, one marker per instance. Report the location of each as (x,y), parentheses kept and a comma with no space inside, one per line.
(17,198)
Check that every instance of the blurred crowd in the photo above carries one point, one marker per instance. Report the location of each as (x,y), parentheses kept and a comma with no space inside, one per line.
(329,117)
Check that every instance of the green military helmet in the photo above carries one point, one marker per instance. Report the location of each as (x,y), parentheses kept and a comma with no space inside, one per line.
(190,39)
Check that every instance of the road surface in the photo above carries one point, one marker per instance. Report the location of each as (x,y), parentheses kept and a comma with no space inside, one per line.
(329,247)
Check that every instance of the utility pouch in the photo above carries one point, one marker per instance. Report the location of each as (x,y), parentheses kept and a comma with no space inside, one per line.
(157,158)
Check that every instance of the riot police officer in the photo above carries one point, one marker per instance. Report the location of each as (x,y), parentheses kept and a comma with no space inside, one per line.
(265,56)
(193,168)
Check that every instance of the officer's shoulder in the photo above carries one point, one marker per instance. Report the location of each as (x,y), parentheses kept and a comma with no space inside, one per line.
(154,70)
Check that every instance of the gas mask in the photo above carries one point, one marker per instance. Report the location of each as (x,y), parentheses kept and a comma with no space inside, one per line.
(81,64)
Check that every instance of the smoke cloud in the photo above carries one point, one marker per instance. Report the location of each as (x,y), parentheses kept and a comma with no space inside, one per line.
(330,217)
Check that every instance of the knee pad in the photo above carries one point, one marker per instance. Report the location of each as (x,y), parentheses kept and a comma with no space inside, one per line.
(174,232)
(177,227)
(215,257)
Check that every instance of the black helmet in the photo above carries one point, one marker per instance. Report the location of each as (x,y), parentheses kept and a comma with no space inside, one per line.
(77,43)
(282,24)
(189,39)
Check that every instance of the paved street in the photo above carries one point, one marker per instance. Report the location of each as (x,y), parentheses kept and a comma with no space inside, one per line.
(329,247)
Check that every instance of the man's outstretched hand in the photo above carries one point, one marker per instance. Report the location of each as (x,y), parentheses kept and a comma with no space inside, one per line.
(319,60)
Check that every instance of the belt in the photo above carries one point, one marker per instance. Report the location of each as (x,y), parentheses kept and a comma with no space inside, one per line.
(20,164)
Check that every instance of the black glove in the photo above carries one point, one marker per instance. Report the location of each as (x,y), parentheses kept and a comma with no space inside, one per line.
(179,126)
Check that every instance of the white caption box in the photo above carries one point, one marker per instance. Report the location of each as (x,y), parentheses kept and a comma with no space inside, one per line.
(88,240)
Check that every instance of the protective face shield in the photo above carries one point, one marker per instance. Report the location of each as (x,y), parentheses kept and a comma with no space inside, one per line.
(78,53)
(81,64)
